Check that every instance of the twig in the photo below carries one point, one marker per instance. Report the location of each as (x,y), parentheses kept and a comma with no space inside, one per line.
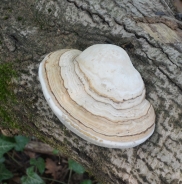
(39,147)
(70,176)
(53,180)
(14,159)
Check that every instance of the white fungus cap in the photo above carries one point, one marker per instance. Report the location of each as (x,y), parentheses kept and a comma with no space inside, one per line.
(98,95)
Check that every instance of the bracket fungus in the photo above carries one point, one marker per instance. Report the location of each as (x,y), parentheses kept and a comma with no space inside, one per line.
(98,95)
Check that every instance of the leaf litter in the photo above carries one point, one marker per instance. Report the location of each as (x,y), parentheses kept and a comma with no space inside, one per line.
(29,167)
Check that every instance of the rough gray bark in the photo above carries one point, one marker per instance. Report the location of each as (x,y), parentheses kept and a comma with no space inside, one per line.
(29,29)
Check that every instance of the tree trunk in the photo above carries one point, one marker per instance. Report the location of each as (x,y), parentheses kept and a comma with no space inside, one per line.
(150,34)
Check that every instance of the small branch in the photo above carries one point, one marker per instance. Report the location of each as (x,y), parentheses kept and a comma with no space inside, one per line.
(70,176)
(14,159)
(40,147)
(53,180)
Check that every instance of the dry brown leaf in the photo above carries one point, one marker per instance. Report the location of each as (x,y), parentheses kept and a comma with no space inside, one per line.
(15,179)
(30,154)
(53,168)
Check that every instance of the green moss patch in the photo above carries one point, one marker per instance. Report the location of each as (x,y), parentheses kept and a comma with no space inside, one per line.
(7,97)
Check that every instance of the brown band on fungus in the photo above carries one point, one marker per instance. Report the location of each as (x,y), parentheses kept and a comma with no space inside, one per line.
(90,121)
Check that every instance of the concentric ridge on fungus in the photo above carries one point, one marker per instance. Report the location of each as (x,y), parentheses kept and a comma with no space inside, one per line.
(98,95)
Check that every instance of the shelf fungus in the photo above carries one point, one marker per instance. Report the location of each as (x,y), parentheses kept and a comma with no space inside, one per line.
(98,95)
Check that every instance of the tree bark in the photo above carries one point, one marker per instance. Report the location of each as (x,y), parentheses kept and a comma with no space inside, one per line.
(150,34)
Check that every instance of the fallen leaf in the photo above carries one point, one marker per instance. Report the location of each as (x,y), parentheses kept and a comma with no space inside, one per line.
(53,168)
(30,154)
(16,179)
